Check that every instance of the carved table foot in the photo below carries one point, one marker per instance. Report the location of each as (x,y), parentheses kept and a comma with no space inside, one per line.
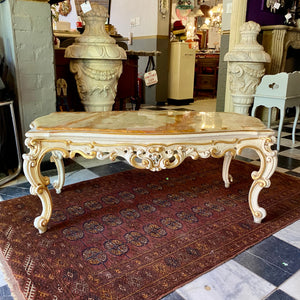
(268,164)
(31,167)
(39,183)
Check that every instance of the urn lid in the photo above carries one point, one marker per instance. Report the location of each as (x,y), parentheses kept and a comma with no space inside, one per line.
(95,42)
(248,49)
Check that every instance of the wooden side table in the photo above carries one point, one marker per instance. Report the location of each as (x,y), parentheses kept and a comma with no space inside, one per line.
(206,75)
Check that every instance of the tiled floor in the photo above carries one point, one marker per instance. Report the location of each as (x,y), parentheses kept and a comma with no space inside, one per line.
(269,270)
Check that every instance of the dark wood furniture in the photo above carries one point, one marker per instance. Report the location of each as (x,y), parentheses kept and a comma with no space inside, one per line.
(206,75)
(68,99)
(127,90)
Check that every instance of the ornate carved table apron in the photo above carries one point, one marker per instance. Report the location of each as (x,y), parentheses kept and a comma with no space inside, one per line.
(153,140)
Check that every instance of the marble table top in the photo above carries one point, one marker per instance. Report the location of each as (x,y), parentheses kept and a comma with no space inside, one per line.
(148,122)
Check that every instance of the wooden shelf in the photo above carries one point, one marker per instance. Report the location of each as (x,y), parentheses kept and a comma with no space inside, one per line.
(206,75)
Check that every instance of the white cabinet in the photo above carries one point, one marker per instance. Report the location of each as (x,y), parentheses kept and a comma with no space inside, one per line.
(181,74)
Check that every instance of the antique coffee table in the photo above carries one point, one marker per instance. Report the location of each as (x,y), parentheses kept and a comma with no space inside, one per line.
(152,140)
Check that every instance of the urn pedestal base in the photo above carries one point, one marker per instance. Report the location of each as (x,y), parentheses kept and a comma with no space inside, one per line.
(97,82)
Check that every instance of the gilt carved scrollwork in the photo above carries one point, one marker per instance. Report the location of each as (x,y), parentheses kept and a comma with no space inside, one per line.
(261,178)
(154,157)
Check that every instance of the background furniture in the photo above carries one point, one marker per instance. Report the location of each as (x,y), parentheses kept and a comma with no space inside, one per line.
(276,40)
(181,74)
(67,97)
(280,90)
(8,151)
(127,85)
(206,75)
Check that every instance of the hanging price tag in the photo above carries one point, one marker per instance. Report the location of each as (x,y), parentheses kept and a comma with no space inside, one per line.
(288,16)
(277,5)
(86,7)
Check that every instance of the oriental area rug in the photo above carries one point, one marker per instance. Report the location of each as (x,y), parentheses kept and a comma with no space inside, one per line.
(138,234)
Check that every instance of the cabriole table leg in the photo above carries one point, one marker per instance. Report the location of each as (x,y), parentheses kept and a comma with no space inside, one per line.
(268,164)
(227,178)
(57,158)
(31,167)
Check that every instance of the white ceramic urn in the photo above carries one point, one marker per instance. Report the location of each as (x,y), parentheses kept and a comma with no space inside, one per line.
(246,67)
(96,61)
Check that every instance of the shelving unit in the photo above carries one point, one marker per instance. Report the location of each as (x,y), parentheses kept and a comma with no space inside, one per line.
(206,75)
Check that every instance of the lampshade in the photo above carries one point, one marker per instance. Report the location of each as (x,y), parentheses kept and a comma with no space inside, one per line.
(184,4)
(183,8)
(197,12)
(182,13)
(204,27)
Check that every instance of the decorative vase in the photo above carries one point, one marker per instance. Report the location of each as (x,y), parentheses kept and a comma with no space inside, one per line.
(96,61)
(246,67)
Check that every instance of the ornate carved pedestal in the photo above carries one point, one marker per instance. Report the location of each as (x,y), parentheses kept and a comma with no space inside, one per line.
(96,61)
(246,67)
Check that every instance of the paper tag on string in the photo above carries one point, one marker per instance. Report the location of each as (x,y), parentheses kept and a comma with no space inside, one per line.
(277,5)
(288,16)
(86,7)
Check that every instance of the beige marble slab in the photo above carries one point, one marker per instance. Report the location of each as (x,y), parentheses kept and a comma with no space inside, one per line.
(148,122)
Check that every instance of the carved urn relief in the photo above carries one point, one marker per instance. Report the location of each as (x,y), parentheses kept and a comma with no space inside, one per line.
(96,61)
(246,67)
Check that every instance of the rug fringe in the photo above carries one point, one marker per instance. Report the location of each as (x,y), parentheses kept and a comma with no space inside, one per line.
(10,279)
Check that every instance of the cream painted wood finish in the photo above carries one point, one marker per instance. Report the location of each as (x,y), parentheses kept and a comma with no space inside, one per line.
(147,140)
(280,90)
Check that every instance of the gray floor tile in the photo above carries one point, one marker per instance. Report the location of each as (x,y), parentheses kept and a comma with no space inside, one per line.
(290,234)
(229,281)
(279,295)
(5,293)
(278,253)
(292,286)
(173,296)
(111,168)
(263,268)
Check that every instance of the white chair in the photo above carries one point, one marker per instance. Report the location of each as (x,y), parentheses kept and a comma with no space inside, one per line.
(280,90)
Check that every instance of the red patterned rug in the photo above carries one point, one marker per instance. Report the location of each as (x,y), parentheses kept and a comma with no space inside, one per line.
(138,234)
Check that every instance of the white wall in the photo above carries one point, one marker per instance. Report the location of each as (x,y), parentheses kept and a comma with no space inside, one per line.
(72,17)
(28,43)
(226,17)
(144,12)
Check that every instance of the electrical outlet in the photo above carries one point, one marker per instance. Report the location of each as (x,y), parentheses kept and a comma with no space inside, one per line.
(137,21)
(132,22)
